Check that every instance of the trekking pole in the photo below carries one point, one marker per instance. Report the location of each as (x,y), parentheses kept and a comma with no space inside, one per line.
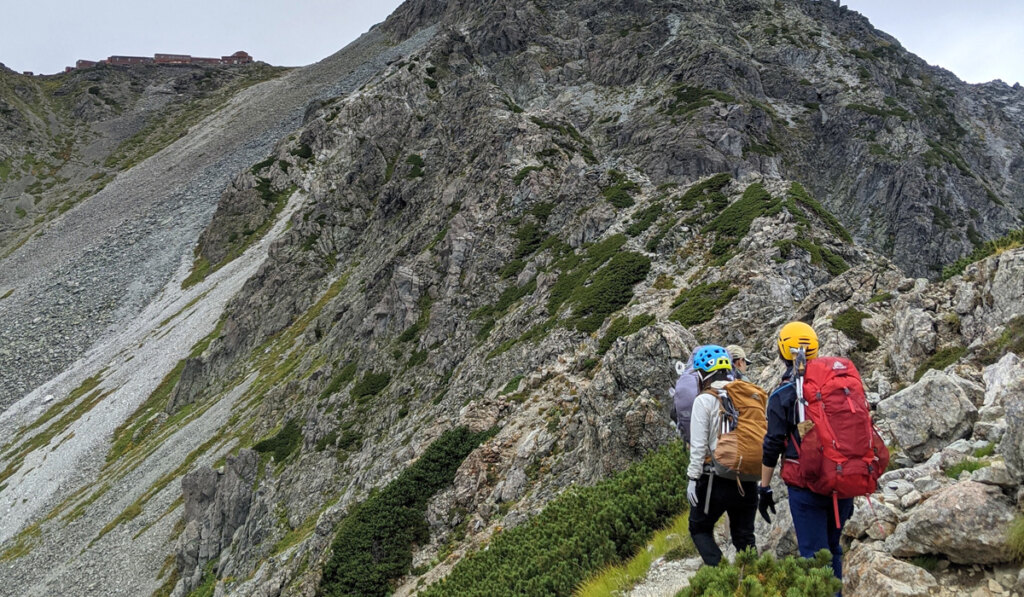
(799,370)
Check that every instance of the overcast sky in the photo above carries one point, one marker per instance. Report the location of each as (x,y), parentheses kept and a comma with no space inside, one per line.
(979,40)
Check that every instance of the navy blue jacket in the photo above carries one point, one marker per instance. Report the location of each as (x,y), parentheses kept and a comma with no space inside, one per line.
(782,421)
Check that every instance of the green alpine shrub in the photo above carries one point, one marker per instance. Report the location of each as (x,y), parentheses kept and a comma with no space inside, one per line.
(373,545)
(850,322)
(750,576)
(580,532)
(284,443)
(699,304)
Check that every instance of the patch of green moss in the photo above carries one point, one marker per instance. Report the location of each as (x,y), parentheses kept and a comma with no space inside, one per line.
(345,375)
(416,358)
(417,164)
(968,465)
(512,385)
(939,154)
(413,332)
(850,322)
(524,172)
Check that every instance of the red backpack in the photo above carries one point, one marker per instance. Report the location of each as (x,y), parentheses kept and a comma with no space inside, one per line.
(841,453)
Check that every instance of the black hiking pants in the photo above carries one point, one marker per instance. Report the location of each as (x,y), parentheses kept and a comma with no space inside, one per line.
(725,498)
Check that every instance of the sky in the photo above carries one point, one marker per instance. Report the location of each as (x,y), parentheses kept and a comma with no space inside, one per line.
(979,40)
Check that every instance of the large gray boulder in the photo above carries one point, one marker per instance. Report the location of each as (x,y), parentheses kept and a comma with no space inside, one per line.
(1000,376)
(868,570)
(914,337)
(966,522)
(1012,444)
(928,415)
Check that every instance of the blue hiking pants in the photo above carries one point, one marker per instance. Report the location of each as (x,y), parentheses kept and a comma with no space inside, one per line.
(815,521)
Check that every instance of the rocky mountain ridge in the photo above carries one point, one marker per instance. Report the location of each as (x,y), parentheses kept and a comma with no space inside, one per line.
(517,223)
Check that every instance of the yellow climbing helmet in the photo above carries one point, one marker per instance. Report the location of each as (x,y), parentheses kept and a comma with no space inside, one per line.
(793,336)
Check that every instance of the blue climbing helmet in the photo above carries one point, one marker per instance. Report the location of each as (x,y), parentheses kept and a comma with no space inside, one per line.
(711,358)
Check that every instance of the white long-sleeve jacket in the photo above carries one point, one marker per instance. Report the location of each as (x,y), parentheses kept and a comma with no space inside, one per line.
(705,419)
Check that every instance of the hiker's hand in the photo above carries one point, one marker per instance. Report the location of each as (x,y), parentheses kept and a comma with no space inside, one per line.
(765,502)
(691,492)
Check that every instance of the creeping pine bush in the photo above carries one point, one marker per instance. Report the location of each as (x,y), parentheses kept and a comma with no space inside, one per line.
(850,322)
(580,532)
(1011,241)
(699,304)
(751,576)
(284,443)
(618,193)
(345,375)
(704,189)
(373,545)
(611,290)
(371,384)
(621,327)
(734,222)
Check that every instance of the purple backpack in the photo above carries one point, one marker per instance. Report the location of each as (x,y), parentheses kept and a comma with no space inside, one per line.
(683,394)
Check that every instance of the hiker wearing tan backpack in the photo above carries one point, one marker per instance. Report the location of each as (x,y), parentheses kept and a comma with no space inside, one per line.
(727,427)
(819,424)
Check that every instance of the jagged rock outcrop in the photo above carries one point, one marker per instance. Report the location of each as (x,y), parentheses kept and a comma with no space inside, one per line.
(217,504)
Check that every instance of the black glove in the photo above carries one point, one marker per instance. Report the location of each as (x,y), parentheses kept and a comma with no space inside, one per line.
(765,502)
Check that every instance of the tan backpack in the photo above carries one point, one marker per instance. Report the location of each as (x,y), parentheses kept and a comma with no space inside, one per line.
(741,434)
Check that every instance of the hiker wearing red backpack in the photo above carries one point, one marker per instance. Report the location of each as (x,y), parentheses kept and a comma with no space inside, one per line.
(819,423)
(727,426)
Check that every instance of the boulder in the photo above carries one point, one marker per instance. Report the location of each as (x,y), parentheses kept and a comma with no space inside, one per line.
(1000,376)
(994,474)
(869,571)
(875,521)
(966,522)
(928,415)
(913,338)
(1012,444)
